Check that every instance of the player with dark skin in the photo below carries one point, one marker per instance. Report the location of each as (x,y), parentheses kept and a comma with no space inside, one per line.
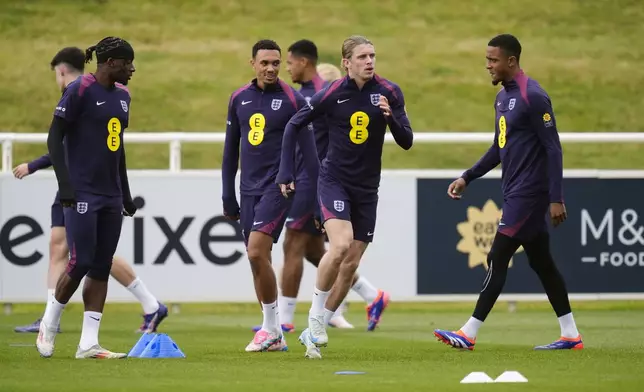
(503,68)
(257,115)
(93,187)
(94,293)
(526,144)
(69,65)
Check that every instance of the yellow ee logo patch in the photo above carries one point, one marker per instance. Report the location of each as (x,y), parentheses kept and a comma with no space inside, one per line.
(113,138)
(359,122)
(257,124)
(502,130)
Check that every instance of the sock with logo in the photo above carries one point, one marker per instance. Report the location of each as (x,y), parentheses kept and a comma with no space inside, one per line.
(53,311)
(89,335)
(498,259)
(270,322)
(365,289)
(287,309)
(317,305)
(50,297)
(145,297)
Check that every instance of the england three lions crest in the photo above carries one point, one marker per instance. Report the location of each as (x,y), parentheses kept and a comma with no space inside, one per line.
(511,104)
(81,207)
(124,106)
(375,98)
(276,104)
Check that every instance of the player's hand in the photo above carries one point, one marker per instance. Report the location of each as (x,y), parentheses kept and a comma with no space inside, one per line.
(383,104)
(287,189)
(231,209)
(317,220)
(129,208)
(21,171)
(319,225)
(456,188)
(558,213)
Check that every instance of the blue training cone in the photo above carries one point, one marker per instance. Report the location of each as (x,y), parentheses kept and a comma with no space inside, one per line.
(162,346)
(140,346)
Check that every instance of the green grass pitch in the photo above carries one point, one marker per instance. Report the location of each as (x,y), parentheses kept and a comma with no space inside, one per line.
(401,355)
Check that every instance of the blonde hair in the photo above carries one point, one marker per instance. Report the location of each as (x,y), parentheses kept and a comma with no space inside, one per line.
(329,72)
(350,44)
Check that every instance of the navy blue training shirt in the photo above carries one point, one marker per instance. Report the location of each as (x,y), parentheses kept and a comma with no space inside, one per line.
(356,127)
(97,117)
(526,143)
(256,120)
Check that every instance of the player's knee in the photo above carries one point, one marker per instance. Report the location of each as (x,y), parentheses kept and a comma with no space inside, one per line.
(294,245)
(497,263)
(100,271)
(77,271)
(257,255)
(340,247)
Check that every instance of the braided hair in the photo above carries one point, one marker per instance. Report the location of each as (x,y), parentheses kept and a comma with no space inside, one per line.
(110,47)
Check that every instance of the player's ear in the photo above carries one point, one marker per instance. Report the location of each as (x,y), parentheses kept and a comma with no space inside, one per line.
(512,61)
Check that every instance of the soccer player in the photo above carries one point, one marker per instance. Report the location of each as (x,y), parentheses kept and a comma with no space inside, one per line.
(68,65)
(526,143)
(93,188)
(257,115)
(358,109)
(303,238)
(154,312)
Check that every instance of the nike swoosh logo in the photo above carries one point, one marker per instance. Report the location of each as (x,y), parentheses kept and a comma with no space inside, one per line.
(94,318)
(246,102)
(99,103)
(345,100)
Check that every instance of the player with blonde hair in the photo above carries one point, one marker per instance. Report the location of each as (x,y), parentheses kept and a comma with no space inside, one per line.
(358,109)
(303,237)
(329,72)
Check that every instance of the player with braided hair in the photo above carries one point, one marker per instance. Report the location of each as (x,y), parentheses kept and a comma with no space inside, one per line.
(93,187)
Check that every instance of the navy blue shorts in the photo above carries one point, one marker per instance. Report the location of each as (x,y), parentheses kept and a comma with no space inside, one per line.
(524,218)
(57,215)
(93,229)
(265,213)
(338,201)
(301,215)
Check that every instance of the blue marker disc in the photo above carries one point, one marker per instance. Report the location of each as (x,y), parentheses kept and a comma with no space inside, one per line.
(348,373)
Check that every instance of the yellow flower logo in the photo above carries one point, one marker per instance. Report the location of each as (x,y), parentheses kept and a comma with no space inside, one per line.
(546,117)
(478,233)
